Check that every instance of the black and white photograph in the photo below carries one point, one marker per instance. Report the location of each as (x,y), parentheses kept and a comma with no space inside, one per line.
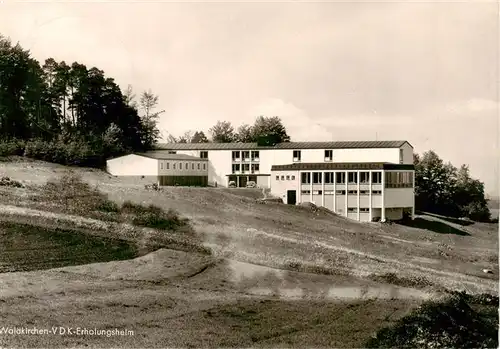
(249,174)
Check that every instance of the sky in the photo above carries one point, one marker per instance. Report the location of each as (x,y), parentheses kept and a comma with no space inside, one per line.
(425,72)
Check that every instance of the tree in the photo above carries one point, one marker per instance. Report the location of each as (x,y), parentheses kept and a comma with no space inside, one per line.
(70,114)
(269,130)
(245,134)
(441,188)
(199,137)
(150,132)
(222,132)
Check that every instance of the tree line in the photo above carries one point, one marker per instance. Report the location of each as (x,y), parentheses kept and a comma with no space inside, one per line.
(69,113)
(442,188)
(265,130)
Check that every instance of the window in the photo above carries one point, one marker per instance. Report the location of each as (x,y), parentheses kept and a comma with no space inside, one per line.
(296,155)
(340,178)
(293,177)
(282,178)
(400,156)
(192,166)
(173,165)
(277,178)
(236,168)
(171,152)
(328,155)
(287,178)
(376,177)
(180,165)
(255,168)
(352,177)
(364,209)
(355,192)
(246,167)
(317,192)
(255,155)
(340,192)
(198,166)
(376,192)
(204,154)
(236,155)
(329,177)
(352,209)
(246,155)
(364,192)
(306,178)
(161,165)
(364,177)
(317,177)
(399,179)
(168,165)
(187,166)
(204,166)
(305,192)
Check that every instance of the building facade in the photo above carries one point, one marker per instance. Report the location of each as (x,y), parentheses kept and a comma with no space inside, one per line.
(161,167)
(360,191)
(241,162)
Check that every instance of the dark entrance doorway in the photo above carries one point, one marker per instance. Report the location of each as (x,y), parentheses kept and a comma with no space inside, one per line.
(291,197)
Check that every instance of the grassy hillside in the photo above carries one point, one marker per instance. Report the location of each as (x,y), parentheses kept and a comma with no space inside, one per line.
(265,275)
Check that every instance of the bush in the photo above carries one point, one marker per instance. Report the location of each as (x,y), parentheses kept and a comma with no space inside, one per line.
(153,216)
(451,323)
(74,152)
(12,147)
(77,196)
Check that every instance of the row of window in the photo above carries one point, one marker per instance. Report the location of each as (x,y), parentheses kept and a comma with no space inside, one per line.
(399,179)
(245,155)
(341,192)
(340,177)
(288,177)
(180,166)
(246,168)
(297,155)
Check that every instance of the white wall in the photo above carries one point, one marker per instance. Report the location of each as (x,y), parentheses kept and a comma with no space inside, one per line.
(398,197)
(279,188)
(219,166)
(132,165)
(407,153)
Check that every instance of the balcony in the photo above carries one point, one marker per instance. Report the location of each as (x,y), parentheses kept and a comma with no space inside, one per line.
(255,159)
(236,159)
(328,159)
(255,172)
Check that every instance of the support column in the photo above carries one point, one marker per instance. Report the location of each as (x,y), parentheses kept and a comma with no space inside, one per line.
(335,191)
(370,182)
(382,209)
(413,195)
(323,188)
(299,191)
(311,186)
(358,180)
(346,184)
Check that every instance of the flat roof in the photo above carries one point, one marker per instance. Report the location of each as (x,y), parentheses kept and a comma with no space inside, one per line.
(343,166)
(285,145)
(165,155)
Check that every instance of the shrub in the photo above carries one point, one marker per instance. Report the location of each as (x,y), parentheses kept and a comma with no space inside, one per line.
(11,147)
(77,196)
(451,323)
(153,216)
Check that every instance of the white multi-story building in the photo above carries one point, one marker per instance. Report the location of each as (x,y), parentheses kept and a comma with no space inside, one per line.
(362,180)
